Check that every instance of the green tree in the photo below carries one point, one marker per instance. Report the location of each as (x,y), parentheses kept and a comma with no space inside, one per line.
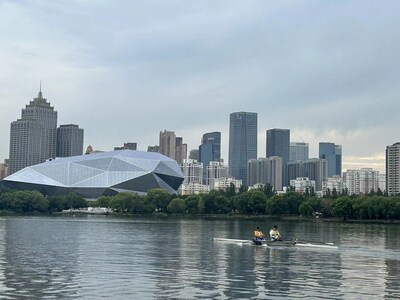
(192,204)
(74,200)
(122,202)
(177,206)
(159,198)
(342,207)
(277,205)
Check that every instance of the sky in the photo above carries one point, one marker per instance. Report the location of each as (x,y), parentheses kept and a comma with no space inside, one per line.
(125,70)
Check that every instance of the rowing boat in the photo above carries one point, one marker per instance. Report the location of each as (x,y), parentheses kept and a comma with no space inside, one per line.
(294,243)
(256,242)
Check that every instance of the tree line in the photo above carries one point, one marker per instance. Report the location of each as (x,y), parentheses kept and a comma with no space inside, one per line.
(217,202)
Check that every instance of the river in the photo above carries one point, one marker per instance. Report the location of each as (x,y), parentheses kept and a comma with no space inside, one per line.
(92,257)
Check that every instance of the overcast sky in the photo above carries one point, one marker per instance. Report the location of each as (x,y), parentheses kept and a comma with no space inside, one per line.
(126,70)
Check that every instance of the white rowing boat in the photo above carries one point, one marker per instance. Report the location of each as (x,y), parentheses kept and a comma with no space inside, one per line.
(294,243)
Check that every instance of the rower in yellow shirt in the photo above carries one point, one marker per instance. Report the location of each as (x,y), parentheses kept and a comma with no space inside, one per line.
(258,235)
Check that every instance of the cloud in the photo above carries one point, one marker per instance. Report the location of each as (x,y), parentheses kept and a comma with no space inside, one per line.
(126,70)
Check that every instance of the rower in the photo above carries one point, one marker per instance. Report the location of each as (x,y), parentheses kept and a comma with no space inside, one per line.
(258,235)
(274,234)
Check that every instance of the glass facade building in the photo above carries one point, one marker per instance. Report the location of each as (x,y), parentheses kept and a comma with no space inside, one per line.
(105,173)
(278,144)
(209,150)
(333,155)
(242,143)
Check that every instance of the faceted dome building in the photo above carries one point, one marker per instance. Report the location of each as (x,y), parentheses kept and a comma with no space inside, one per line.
(105,173)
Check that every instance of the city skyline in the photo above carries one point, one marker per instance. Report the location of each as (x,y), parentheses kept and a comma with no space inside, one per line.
(326,70)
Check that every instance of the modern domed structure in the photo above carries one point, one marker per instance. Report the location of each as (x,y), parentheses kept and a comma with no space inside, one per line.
(105,173)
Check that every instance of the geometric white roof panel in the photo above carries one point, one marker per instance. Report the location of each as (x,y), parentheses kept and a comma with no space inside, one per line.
(124,169)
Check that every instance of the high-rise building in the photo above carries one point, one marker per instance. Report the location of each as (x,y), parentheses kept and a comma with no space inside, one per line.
(192,171)
(209,150)
(313,168)
(216,170)
(361,182)
(172,146)
(180,150)
(194,154)
(265,171)
(278,144)
(242,143)
(393,169)
(299,151)
(167,143)
(33,137)
(333,155)
(128,146)
(69,140)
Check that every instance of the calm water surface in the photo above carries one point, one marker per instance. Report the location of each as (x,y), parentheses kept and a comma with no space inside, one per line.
(95,257)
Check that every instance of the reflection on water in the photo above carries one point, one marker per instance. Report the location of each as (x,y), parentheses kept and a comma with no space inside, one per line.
(103,256)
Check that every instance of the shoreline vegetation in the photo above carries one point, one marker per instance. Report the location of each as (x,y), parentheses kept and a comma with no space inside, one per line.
(255,203)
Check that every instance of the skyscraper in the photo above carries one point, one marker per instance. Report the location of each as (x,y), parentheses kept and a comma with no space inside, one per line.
(69,140)
(333,155)
(242,143)
(278,144)
(167,143)
(299,151)
(180,150)
(33,137)
(209,150)
(393,169)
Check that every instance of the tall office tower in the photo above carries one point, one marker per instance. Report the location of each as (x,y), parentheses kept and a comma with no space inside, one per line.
(167,143)
(216,170)
(127,146)
(258,171)
(313,168)
(69,140)
(393,169)
(276,172)
(33,137)
(180,150)
(192,171)
(361,182)
(209,150)
(265,171)
(194,154)
(242,143)
(333,155)
(278,144)
(299,151)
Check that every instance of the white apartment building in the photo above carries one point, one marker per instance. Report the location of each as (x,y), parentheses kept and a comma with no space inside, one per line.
(225,182)
(361,182)
(334,183)
(393,169)
(216,170)
(192,171)
(302,184)
(193,188)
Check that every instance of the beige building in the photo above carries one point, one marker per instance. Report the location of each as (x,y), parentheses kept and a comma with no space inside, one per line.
(393,169)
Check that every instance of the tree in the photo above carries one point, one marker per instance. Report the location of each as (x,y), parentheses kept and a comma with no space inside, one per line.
(342,207)
(177,206)
(74,200)
(122,202)
(192,204)
(158,198)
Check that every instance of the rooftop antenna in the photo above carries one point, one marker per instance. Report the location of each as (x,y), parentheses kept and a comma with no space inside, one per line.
(40,90)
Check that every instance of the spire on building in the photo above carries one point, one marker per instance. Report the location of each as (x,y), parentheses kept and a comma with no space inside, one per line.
(40,95)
